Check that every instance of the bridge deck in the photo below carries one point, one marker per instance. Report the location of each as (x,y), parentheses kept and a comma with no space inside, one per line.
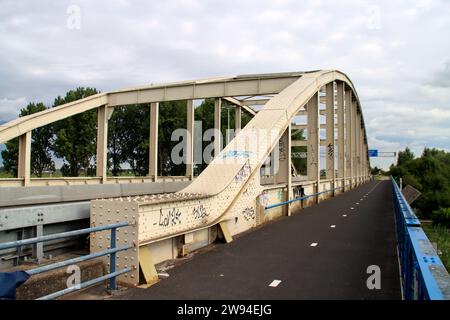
(334,269)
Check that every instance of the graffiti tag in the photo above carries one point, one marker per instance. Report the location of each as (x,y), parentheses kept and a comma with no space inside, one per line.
(249,214)
(243,173)
(169,218)
(200,212)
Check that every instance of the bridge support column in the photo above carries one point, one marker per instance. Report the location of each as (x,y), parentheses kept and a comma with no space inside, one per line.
(282,171)
(287,168)
(361,153)
(354,142)
(341,124)
(237,119)
(217,126)
(313,143)
(357,145)
(102,143)
(348,135)
(24,158)
(153,152)
(190,139)
(329,111)
(367,162)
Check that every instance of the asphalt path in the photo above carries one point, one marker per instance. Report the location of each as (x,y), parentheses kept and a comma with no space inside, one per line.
(322,252)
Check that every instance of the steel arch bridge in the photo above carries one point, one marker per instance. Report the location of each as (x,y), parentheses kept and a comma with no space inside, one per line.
(228,197)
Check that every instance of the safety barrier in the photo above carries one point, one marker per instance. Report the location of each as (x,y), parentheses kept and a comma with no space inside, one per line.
(111,251)
(423,274)
(304,197)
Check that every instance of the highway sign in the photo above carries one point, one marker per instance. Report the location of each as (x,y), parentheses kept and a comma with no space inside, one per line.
(373,153)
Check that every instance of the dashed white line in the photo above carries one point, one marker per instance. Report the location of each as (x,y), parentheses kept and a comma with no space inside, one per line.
(344,215)
(274,283)
(314,244)
(352,208)
(333,226)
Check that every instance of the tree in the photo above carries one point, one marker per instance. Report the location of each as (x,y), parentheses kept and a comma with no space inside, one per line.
(205,113)
(131,126)
(405,156)
(298,161)
(41,146)
(430,174)
(76,136)
(116,140)
(375,171)
(172,116)
(10,156)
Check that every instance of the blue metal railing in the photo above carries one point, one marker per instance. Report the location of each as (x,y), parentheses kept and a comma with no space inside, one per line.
(279,204)
(423,274)
(110,251)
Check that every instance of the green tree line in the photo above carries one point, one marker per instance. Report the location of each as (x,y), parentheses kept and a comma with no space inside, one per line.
(430,174)
(73,139)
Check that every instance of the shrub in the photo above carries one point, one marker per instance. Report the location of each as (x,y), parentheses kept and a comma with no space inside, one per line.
(441,217)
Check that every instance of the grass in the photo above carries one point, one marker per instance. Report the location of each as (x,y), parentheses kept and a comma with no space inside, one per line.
(6,175)
(440,235)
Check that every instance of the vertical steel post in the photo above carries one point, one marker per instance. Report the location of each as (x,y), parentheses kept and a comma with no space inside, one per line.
(313,142)
(24,158)
(112,261)
(217,126)
(102,142)
(237,119)
(348,135)
(341,127)
(288,168)
(153,152)
(190,139)
(38,247)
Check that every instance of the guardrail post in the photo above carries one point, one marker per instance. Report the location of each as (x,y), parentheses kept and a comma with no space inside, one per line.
(38,248)
(112,261)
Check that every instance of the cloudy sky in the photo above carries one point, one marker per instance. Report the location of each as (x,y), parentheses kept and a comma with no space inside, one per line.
(396,52)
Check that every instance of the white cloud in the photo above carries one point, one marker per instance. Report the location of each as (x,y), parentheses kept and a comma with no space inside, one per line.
(396,52)
(10,108)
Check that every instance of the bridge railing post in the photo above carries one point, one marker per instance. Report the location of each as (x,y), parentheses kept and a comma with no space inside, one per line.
(112,260)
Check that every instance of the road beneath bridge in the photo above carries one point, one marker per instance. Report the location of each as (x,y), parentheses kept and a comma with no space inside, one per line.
(352,231)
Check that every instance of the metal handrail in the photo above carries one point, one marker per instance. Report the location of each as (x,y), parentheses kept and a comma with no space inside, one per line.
(279,204)
(422,272)
(113,249)
(56,236)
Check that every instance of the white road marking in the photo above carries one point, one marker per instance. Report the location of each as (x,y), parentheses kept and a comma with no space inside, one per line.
(314,244)
(344,215)
(333,226)
(352,208)
(275,283)
(357,203)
